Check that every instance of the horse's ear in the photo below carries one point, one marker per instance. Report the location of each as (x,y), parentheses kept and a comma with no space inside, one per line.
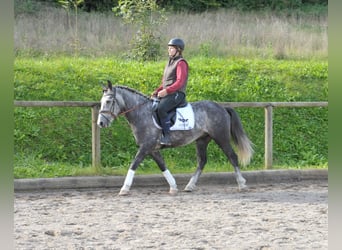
(104,87)
(110,85)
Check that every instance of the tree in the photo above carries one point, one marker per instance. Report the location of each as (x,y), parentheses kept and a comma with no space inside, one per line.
(147,16)
(68,5)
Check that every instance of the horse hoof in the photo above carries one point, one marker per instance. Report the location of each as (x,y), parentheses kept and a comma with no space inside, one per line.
(243,187)
(173,191)
(124,192)
(189,188)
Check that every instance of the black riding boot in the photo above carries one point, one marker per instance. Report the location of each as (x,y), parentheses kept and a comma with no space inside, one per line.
(165,138)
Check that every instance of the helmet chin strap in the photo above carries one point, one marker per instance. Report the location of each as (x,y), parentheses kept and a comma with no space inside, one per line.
(176,54)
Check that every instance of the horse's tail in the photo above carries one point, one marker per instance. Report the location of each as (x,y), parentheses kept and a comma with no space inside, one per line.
(240,138)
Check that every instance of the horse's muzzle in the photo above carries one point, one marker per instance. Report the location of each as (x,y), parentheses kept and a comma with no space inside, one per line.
(103,121)
(101,124)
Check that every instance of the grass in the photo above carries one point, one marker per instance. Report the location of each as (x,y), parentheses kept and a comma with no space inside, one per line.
(219,33)
(47,137)
(34,167)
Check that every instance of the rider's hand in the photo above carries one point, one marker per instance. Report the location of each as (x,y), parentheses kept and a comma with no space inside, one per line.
(162,93)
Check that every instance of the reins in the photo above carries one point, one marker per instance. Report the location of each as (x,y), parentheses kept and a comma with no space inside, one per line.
(133,108)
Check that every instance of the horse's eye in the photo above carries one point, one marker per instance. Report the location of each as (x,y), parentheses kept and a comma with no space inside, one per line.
(108,101)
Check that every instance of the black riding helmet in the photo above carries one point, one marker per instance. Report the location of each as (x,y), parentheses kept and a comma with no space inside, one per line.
(177,42)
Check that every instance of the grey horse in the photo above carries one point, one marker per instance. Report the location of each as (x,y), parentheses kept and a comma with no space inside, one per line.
(212,122)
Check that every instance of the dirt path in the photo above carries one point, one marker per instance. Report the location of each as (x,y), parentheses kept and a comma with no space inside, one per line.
(282,216)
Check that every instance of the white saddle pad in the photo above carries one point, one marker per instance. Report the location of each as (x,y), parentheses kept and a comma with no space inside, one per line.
(185,119)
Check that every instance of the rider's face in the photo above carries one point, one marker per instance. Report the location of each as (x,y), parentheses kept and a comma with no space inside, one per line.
(172,51)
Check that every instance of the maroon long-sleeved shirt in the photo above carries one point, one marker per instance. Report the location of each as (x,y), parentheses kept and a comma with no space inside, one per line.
(182,74)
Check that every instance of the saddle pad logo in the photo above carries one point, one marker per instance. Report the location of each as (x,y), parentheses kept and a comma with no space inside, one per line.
(185,119)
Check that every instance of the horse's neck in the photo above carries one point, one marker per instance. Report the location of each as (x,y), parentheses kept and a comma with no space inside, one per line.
(129,99)
(136,110)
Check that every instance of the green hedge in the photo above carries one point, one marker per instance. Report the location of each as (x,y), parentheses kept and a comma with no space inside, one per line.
(30,6)
(200,6)
(245,5)
(64,134)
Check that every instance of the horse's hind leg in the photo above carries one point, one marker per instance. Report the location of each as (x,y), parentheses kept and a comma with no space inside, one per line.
(166,173)
(201,147)
(232,157)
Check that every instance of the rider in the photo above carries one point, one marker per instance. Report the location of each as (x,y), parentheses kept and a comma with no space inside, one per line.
(173,86)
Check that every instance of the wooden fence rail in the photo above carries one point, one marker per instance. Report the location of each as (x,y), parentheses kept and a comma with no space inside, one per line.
(95,106)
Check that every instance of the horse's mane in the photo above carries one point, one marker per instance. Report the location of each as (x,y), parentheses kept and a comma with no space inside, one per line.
(132,90)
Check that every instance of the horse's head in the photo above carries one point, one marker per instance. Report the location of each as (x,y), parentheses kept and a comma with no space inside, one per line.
(109,108)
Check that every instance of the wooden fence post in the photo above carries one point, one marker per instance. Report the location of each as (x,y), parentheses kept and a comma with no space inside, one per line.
(268,137)
(96,144)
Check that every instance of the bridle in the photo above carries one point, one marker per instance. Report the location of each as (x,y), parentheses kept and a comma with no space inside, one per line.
(111,111)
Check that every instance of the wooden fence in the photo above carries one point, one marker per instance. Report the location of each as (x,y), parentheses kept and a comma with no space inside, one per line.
(96,146)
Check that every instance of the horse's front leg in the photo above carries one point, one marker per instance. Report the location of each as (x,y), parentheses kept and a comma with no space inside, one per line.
(131,171)
(167,174)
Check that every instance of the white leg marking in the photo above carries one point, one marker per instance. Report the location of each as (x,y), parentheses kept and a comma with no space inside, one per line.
(128,182)
(241,181)
(192,184)
(171,180)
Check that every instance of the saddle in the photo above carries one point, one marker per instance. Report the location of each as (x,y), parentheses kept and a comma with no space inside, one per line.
(182,117)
